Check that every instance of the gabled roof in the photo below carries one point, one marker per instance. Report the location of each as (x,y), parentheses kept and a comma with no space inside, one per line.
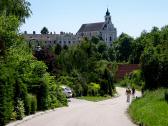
(91,27)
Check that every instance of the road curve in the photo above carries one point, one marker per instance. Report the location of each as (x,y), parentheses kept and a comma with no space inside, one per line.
(110,112)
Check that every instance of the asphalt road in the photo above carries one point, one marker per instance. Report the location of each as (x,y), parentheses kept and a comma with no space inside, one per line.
(112,112)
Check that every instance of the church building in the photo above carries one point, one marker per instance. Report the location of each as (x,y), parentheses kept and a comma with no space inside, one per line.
(104,30)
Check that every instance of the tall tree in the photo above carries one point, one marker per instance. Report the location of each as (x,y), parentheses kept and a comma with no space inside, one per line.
(122,47)
(44,31)
(18,8)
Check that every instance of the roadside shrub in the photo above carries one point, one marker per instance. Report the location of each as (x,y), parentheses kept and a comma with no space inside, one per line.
(77,90)
(13,116)
(136,77)
(33,104)
(62,98)
(6,94)
(93,89)
(42,96)
(27,104)
(125,82)
(20,109)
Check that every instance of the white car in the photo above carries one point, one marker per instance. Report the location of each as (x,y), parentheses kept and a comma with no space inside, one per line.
(67,91)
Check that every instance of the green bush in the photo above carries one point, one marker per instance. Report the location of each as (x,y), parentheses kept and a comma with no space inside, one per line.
(42,96)
(125,82)
(27,104)
(14,116)
(93,89)
(6,94)
(33,104)
(62,99)
(135,80)
(20,109)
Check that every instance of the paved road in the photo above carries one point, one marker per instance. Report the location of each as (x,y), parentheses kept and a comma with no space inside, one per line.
(110,112)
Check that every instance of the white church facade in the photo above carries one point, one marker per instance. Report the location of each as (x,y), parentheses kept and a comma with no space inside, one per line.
(103,30)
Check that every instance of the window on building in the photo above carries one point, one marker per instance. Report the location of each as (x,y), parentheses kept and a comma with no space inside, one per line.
(110,38)
(64,42)
(60,42)
(55,42)
(69,42)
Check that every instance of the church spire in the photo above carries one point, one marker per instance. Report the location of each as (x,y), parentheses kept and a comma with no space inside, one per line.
(107,13)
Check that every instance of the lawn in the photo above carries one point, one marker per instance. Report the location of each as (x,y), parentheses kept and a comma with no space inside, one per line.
(95,98)
(151,109)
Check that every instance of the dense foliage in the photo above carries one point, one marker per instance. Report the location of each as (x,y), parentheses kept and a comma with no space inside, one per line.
(25,85)
(154,60)
(150,50)
(19,8)
(86,69)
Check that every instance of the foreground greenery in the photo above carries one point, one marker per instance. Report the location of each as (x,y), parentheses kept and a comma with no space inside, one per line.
(25,84)
(94,98)
(151,109)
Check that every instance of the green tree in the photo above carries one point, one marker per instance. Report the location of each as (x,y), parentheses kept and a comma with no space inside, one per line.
(44,31)
(154,60)
(122,47)
(6,93)
(58,49)
(18,8)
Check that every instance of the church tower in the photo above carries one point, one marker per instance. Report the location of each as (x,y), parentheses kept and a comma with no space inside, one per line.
(109,32)
(107,17)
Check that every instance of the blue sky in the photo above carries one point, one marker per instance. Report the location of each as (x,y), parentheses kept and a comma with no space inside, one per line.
(129,16)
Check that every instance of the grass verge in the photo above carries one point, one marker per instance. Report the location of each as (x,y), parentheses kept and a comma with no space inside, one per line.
(151,109)
(94,98)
